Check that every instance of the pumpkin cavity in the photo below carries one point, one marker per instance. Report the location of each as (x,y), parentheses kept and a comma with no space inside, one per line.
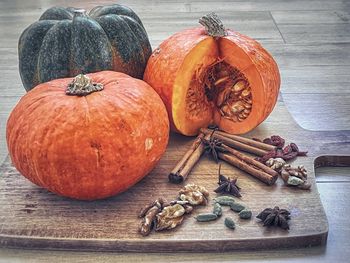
(222,87)
(214,75)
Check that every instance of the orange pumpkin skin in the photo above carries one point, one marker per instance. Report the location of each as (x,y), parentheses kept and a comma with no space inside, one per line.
(192,49)
(88,147)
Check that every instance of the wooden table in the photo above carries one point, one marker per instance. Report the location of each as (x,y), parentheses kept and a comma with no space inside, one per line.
(311,43)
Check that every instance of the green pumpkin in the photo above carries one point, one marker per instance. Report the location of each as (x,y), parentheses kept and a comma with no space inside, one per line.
(66,42)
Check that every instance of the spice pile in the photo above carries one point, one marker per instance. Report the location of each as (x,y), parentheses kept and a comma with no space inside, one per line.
(162,215)
(270,163)
(270,217)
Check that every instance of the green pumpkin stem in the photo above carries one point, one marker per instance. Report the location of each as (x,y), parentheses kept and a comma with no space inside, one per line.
(79,13)
(213,25)
(82,86)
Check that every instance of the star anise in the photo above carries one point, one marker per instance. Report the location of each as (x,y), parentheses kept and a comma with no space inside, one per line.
(213,146)
(226,185)
(275,217)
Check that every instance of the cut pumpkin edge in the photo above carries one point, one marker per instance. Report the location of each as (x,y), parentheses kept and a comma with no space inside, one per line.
(200,57)
(204,54)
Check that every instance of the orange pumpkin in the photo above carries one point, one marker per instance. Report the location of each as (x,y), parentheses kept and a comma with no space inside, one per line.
(214,76)
(88,141)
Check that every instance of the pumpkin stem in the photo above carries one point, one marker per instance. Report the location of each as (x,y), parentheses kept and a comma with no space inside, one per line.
(79,13)
(213,25)
(82,86)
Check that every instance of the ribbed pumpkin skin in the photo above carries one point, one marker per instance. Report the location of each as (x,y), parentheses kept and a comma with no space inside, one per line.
(60,45)
(88,147)
(165,65)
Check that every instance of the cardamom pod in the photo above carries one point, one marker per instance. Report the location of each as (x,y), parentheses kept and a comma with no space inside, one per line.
(217,209)
(293,180)
(230,223)
(237,207)
(206,217)
(224,200)
(245,214)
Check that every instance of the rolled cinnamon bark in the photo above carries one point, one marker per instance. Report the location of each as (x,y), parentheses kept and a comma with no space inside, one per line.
(235,144)
(250,160)
(256,144)
(240,164)
(240,143)
(188,161)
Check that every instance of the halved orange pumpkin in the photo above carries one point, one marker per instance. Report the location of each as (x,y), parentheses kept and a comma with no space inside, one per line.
(214,76)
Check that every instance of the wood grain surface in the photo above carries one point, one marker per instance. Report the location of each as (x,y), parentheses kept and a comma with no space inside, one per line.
(31,217)
(311,63)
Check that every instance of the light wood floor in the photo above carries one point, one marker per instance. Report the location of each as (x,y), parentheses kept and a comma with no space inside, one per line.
(311,43)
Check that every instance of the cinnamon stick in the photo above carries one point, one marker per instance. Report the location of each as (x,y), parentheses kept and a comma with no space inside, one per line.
(187,162)
(261,175)
(235,144)
(256,144)
(250,160)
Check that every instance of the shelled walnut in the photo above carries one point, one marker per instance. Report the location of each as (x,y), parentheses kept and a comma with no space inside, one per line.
(194,194)
(170,217)
(295,176)
(275,163)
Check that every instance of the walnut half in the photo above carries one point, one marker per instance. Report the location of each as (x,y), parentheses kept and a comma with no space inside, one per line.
(170,217)
(148,215)
(194,194)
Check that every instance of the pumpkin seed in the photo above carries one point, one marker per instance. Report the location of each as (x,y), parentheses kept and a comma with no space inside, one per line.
(245,93)
(241,115)
(237,107)
(245,214)
(230,223)
(247,106)
(239,86)
(237,207)
(226,110)
(247,111)
(244,115)
(206,217)
(221,80)
(217,209)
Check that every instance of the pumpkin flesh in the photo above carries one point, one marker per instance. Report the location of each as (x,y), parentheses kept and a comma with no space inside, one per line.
(245,66)
(187,87)
(195,63)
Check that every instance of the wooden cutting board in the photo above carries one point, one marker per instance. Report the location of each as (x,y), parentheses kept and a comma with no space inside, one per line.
(31,217)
